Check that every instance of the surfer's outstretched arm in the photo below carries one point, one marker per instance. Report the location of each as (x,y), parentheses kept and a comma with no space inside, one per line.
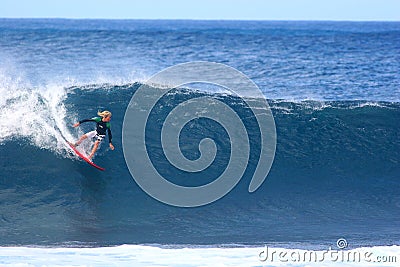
(82,121)
(110,137)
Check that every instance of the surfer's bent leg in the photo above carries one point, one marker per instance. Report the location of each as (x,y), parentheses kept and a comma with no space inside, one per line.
(85,136)
(94,149)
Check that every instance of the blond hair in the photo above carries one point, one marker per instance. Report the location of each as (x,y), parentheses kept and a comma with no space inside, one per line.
(104,114)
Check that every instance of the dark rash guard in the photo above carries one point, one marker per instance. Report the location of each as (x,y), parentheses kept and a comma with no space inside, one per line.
(101,126)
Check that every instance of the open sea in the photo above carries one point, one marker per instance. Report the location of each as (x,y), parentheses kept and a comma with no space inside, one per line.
(333,89)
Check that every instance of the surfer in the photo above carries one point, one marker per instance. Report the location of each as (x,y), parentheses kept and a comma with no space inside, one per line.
(102,126)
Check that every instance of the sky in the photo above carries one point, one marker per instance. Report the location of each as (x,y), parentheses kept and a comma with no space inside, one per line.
(358,10)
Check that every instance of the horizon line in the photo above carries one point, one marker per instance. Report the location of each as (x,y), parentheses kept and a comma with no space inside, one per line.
(207,19)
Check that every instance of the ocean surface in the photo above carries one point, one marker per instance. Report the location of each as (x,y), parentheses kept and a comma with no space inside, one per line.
(334,91)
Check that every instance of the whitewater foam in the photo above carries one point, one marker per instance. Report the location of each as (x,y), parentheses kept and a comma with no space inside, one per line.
(140,255)
(34,114)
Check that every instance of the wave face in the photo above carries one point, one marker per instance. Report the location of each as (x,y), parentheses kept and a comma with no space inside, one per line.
(336,173)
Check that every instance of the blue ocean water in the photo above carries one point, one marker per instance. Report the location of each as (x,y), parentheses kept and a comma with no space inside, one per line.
(333,88)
